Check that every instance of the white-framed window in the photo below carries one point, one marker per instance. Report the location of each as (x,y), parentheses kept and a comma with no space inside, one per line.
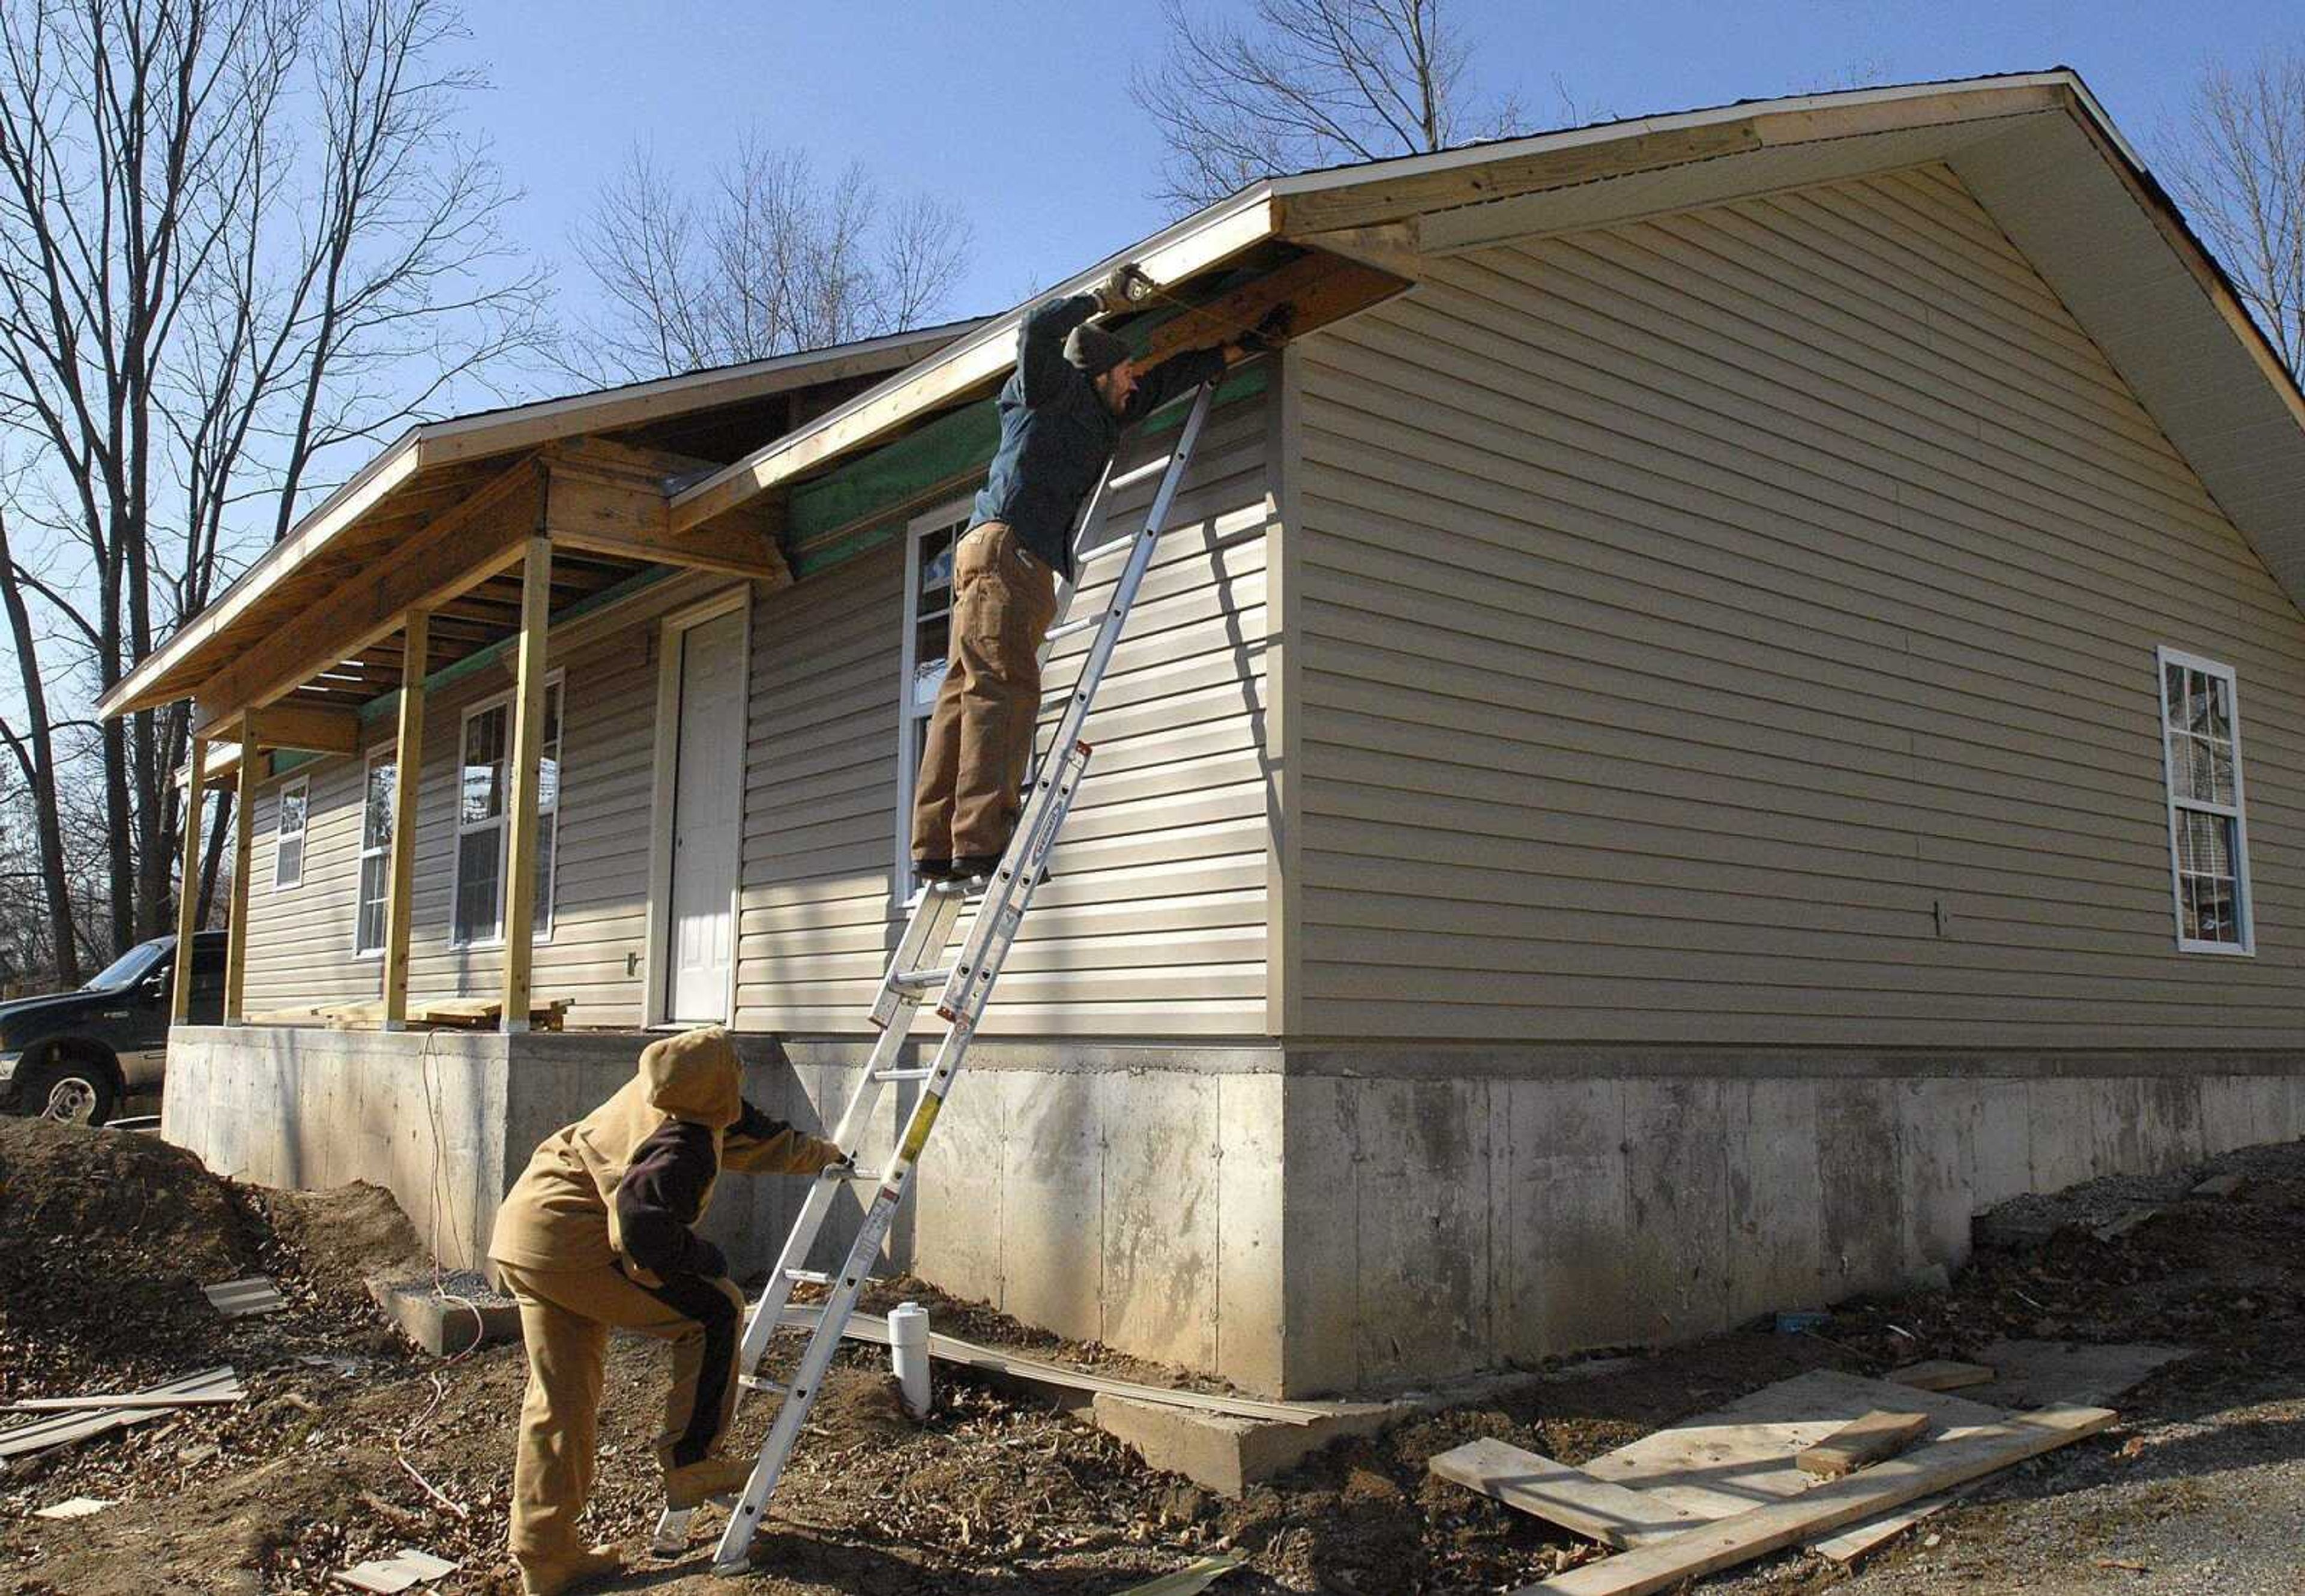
(375,851)
(927,644)
(2208,831)
(484,788)
(288,832)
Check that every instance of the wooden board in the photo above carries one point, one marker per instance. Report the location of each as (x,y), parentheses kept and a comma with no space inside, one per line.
(1876,1436)
(1740,1456)
(1561,1494)
(874,1329)
(1923,1471)
(28,1439)
(1940,1374)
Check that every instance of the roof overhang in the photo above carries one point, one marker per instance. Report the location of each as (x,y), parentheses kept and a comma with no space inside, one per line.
(431,469)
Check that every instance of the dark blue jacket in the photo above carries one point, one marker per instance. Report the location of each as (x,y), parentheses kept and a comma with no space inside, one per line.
(1056,434)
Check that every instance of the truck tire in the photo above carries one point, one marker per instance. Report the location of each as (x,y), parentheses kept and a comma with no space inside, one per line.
(73,1088)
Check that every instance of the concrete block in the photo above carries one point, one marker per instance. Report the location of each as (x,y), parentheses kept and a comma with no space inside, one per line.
(459,1314)
(1160,1214)
(1776,1196)
(1676,1251)
(1052,1192)
(1226,1454)
(1252,1196)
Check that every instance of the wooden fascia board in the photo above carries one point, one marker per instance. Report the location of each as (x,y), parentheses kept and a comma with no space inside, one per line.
(458,551)
(976,361)
(552,420)
(152,683)
(1672,141)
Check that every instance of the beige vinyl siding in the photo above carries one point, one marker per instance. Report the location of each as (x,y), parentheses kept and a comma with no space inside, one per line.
(1691,609)
(300,948)
(1154,922)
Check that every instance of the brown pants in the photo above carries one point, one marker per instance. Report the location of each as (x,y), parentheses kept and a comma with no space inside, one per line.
(967,796)
(565,1317)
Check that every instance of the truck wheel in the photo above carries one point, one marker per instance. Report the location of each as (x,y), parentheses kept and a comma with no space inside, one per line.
(72,1090)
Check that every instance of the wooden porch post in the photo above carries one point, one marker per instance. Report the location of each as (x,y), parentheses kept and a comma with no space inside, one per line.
(407,765)
(527,748)
(243,848)
(188,893)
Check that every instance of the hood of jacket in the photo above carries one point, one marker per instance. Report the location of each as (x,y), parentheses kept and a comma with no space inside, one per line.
(695,1076)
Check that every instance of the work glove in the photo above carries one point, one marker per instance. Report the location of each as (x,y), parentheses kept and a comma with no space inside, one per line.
(1271,333)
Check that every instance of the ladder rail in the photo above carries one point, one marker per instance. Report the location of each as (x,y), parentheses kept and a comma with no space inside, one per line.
(984,950)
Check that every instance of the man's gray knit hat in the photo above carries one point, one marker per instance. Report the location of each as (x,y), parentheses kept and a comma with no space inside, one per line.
(1095,350)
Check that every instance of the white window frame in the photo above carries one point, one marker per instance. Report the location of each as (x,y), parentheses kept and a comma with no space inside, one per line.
(302,787)
(547,921)
(2163,658)
(384,754)
(954,513)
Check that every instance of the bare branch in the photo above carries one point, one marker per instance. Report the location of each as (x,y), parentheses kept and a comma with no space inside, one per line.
(2237,167)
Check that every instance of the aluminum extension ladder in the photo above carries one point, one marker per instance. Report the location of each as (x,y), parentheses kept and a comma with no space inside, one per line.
(964,986)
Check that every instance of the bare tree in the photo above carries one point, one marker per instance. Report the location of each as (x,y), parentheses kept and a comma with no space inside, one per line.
(2237,166)
(769,261)
(235,235)
(1308,83)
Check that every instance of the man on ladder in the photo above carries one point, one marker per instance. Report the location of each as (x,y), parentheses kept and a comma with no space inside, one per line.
(1075,387)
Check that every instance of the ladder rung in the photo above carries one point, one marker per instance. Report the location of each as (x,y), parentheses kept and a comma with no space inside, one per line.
(1074,628)
(914,981)
(920,1074)
(808,1277)
(756,1382)
(849,1172)
(1105,551)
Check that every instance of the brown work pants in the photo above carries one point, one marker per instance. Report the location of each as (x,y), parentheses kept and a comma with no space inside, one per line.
(967,796)
(565,1317)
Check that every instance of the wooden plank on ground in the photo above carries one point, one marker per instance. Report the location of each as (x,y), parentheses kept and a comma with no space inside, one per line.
(874,1328)
(39,1437)
(243,1299)
(1876,1436)
(1940,1374)
(1561,1494)
(1923,1471)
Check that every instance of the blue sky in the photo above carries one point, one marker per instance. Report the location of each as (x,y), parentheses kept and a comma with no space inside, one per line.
(1019,112)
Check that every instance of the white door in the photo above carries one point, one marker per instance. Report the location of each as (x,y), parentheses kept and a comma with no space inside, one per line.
(708,796)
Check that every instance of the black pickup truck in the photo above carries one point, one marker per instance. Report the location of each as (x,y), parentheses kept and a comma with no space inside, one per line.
(81,1056)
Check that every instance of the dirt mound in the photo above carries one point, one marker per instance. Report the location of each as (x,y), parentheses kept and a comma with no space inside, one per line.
(110,1234)
(134,1201)
(337,1239)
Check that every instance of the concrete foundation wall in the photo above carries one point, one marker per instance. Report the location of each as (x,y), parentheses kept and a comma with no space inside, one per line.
(1131,1196)
(1460,1211)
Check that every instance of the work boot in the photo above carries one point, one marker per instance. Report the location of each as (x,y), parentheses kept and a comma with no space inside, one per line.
(932,870)
(694,1484)
(974,867)
(553,1576)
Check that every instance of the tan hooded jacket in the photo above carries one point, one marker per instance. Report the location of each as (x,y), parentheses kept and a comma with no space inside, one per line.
(561,1214)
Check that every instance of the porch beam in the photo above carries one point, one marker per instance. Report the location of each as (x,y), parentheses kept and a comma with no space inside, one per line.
(407,768)
(306,727)
(615,503)
(188,891)
(457,551)
(521,819)
(243,852)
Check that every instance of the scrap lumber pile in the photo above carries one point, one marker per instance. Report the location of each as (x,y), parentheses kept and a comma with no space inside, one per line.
(1827,1460)
(77,1418)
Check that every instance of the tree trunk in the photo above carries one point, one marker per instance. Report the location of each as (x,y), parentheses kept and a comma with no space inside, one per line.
(212,859)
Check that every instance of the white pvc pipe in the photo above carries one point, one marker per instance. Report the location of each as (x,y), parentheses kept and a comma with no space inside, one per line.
(908,1352)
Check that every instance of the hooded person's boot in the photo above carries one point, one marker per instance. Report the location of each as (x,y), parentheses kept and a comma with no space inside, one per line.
(694,1484)
(556,1575)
